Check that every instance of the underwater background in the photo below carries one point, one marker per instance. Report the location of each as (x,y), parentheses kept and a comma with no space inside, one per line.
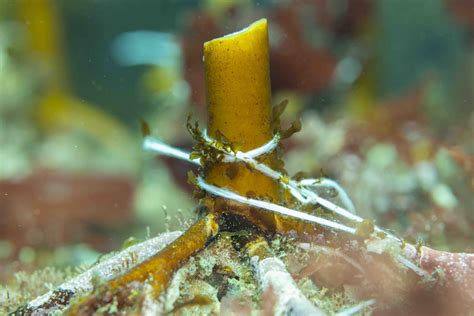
(384,90)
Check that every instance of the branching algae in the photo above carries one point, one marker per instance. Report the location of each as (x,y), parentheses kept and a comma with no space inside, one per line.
(243,187)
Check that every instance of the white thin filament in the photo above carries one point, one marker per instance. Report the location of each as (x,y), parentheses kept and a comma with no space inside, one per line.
(254,153)
(328,183)
(274,208)
(155,145)
(356,308)
(304,196)
(299,189)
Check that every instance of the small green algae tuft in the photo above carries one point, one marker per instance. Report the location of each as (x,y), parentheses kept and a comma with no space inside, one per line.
(24,287)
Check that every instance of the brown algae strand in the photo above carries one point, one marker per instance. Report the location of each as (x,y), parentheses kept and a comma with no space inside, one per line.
(160,268)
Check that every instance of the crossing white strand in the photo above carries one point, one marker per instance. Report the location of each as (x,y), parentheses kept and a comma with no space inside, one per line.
(300,190)
(272,207)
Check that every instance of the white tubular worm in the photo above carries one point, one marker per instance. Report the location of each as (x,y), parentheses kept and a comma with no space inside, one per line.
(356,308)
(271,273)
(410,265)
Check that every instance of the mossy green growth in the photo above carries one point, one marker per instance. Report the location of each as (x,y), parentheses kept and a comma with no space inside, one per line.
(24,287)
(327,300)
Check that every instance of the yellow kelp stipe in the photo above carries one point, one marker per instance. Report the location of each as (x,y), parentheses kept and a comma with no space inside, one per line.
(58,110)
(239,105)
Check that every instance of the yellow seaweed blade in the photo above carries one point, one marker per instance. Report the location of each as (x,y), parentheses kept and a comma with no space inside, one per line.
(44,27)
(239,107)
(58,112)
(238,86)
